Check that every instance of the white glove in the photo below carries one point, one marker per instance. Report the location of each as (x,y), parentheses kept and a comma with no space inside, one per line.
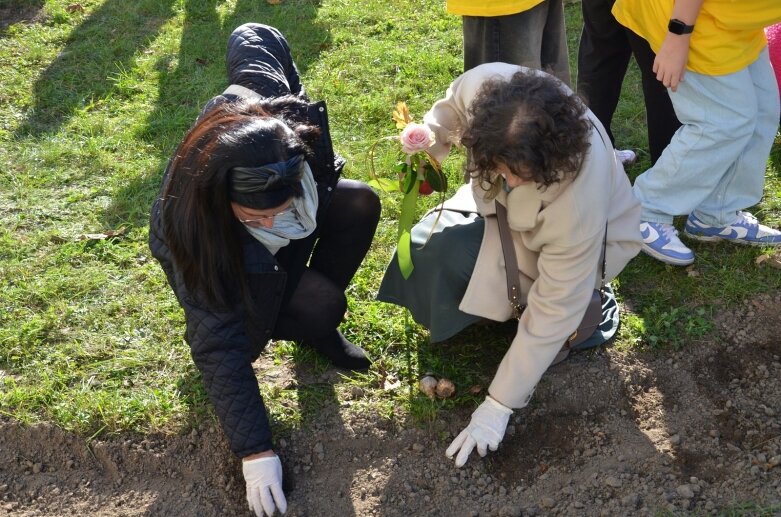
(485,430)
(264,485)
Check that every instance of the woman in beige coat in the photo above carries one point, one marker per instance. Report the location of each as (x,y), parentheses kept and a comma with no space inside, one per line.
(537,150)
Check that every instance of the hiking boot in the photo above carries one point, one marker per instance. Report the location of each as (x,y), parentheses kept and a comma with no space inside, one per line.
(746,230)
(627,157)
(660,240)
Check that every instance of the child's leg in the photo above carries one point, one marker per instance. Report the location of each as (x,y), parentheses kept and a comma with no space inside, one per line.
(603,58)
(259,59)
(744,182)
(718,116)
(534,38)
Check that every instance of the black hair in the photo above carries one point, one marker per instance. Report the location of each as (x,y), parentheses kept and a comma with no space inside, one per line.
(200,228)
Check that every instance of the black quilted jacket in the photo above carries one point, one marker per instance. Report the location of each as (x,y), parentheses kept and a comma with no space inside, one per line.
(222,345)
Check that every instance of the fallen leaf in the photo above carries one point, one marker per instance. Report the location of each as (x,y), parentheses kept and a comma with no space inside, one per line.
(72,8)
(101,236)
(773,261)
(474,390)
(401,115)
(391,384)
(273,2)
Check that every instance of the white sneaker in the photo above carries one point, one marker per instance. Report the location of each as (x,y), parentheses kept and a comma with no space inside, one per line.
(627,157)
(746,230)
(660,240)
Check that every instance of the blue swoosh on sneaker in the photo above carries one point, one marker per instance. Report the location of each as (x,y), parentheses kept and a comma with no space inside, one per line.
(735,233)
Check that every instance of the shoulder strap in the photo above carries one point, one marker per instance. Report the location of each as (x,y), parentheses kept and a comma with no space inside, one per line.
(510,262)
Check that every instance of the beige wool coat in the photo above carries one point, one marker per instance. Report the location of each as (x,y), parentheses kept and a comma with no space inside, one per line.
(558,236)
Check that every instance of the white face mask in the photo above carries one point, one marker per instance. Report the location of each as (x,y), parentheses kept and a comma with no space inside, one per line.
(293,224)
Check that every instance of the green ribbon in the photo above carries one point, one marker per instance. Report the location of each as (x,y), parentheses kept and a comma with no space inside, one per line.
(406,218)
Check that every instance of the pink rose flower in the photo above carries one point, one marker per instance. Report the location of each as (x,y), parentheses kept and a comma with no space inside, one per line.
(415,138)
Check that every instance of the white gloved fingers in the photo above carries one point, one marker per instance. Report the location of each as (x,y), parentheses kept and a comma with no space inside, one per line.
(493,445)
(264,485)
(253,498)
(455,445)
(482,448)
(279,498)
(267,501)
(466,449)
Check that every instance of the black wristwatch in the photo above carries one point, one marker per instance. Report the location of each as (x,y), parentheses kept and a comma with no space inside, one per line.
(676,26)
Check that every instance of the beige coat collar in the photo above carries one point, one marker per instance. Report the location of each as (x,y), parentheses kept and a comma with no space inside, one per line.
(526,201)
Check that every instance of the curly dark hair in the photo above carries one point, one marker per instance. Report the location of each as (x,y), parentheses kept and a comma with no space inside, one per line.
(531,125)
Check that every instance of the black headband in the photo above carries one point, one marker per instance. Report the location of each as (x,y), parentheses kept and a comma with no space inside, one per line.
(267,186)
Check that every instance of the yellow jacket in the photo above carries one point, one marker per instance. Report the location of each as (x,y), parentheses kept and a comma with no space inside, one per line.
(490,7)
(728,34)
(557,234)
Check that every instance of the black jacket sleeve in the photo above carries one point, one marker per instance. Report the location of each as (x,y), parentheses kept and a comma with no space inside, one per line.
(223,352)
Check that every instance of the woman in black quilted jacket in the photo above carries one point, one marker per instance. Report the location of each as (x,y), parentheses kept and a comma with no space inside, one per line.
(259,238)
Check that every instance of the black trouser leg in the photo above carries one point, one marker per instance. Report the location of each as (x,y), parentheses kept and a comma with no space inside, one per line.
(346,232)
(603,58)
(318,304)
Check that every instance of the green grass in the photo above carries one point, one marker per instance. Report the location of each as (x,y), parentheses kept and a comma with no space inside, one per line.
(94,102)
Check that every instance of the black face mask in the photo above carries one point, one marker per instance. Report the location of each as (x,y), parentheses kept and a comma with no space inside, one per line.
(269,185)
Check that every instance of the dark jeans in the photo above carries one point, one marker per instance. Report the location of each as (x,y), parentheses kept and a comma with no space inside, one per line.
(535,39)
(603,57)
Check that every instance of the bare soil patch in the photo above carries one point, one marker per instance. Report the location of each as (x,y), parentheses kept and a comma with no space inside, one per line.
(609,433)
(10,13)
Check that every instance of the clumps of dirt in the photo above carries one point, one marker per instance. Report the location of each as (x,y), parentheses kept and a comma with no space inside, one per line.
(29,12)
(608,433)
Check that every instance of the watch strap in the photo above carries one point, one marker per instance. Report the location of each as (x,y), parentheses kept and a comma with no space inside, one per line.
(678,27)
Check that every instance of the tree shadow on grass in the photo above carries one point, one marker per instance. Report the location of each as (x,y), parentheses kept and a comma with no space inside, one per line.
(198,73)
(84,71)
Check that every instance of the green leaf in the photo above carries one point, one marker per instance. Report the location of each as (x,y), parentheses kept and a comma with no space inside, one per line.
(409,181)
(403,254)
(406,219)
(400,167)
(436,179)
(384,184)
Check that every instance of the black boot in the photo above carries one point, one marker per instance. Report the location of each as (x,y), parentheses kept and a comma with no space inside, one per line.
(337,349)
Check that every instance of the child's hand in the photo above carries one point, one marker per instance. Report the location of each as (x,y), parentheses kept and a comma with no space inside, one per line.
(670,62)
